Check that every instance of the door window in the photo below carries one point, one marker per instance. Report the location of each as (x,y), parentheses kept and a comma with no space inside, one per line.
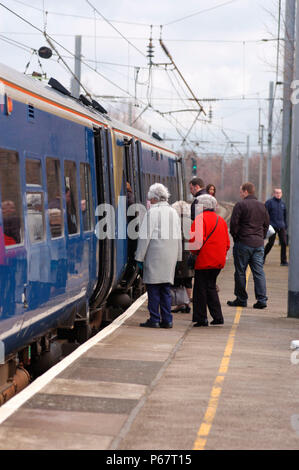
(86,197)
(71,196)
(54,197)
(35,201)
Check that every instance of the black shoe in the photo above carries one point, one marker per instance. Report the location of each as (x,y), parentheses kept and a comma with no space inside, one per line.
(177,310)
(236,303)
(201,324)
(217,322)
(150,324)
(185,309)
(260,305)
(166,325)
(284,264)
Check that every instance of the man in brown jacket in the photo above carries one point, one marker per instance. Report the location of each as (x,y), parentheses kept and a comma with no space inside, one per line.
(248,227)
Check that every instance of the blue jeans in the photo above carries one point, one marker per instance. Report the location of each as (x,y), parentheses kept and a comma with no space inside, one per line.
(254,257)
(159,298)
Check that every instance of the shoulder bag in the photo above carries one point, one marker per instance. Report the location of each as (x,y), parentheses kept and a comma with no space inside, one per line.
(192,257)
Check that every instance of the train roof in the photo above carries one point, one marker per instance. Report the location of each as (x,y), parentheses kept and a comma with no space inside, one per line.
(34,88)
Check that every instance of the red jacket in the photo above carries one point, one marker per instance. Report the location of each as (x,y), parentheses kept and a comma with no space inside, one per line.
(213,254)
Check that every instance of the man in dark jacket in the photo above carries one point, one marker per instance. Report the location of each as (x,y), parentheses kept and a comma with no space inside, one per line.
(197,188)
(248,227)
(278,219)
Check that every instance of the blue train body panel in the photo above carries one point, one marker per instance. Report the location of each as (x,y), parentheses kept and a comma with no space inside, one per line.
(40,282)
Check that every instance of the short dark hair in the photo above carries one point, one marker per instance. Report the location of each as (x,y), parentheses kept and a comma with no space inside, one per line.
(197,182)
(249,187)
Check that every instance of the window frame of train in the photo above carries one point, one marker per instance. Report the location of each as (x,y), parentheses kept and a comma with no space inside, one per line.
(147,182)
(11,175)
(86,194)
(141,197)
(35,199)
(70,182)
(130,167)
(54,192)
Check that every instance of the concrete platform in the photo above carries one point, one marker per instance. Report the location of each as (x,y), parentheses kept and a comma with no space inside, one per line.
(223,387)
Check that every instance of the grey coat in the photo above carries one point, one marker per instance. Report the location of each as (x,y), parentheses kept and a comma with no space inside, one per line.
(159,244)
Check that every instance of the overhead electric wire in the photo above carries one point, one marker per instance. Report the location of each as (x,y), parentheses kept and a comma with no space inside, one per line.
(87,65)
(177,92)
(63,47)
(138,38)
(124,21)
(115,29)
(110,81)
(199,12)
(25,47)
(20,45)
(72,15)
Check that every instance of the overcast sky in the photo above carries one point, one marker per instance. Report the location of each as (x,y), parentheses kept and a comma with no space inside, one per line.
(216,44)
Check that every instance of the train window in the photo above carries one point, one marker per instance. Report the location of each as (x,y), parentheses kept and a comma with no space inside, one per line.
(148,182)
(54,197)
(35,216)
(71,196)
(86,197)
(10,188)
(33,172)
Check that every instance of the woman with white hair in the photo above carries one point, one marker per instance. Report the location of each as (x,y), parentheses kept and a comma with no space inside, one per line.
(210,243)
(159,248)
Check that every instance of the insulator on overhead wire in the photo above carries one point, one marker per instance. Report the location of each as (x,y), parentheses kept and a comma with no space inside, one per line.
(150,50)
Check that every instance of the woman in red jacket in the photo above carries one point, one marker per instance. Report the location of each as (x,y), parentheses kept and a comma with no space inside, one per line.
(209,241)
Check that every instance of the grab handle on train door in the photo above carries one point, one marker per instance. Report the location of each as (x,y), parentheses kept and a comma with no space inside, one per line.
(24,297)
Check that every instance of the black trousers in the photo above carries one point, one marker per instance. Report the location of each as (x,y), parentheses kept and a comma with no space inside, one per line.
(283,244)
(205,295)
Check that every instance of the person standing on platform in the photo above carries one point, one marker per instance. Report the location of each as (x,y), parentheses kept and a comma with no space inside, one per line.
(197,188)
(211,190)
(248,227)
(210,243)
(278,219)
(158,251)
(183,274)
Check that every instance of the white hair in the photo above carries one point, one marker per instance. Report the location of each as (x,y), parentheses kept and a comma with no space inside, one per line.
(207,201)
(159,192)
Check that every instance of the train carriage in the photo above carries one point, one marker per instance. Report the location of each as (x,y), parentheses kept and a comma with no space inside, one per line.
(61,162)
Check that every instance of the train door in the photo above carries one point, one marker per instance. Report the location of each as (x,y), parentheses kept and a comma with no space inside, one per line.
(132,182)
(132,175)
(38,282)
(88,202)
(105,195)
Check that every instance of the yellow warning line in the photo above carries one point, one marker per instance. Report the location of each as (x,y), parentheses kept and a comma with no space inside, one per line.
(206,425)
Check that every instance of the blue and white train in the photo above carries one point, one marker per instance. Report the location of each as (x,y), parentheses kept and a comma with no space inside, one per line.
(60,158)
